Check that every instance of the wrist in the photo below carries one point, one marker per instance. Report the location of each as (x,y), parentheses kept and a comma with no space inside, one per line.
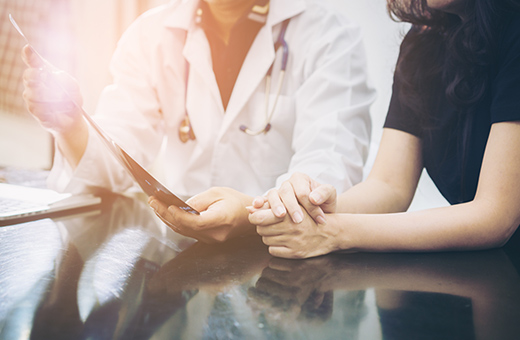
(73,141)
(342,238)
(243,215)
(241,224)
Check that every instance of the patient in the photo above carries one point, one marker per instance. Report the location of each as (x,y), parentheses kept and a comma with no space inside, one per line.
(454,111)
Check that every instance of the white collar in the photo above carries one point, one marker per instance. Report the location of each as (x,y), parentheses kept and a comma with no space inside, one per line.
(184,12)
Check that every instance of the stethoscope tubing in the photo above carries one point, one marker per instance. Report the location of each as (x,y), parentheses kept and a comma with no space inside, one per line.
(186,130)
(280,42)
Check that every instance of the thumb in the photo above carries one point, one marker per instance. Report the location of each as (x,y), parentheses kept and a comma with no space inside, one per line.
(31,58)
(69,85)
(324,196)
(202,201)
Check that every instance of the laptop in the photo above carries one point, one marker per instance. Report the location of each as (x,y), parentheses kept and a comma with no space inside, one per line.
(19,202)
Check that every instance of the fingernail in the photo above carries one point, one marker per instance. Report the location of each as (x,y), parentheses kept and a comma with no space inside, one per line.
(315,197)
(153,205)
(279,211)
(297,217)
(258,201)
(321,220)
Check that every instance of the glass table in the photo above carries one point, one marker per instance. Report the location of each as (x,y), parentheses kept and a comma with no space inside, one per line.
(119,273)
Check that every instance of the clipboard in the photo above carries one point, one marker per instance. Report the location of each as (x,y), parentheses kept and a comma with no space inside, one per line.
(148,183)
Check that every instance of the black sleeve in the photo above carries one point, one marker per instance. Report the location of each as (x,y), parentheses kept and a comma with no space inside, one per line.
(400,117)
(505,102)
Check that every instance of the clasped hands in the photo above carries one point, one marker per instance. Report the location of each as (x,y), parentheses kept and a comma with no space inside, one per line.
(291,220)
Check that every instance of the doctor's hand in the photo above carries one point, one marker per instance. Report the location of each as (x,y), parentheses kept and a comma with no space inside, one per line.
(297,192)
(288,239)
(49,94)
(223,215)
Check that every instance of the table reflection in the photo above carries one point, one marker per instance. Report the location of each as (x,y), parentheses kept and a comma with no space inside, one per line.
(121,274)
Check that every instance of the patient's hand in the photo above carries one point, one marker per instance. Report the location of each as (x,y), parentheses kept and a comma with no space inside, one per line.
(288,239)
(223,215)
(297,192)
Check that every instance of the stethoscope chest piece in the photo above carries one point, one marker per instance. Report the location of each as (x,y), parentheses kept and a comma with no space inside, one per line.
(185,130)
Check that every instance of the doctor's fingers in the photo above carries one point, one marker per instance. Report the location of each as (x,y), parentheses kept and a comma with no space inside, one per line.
(38,92)
(41,99)
(52,84)
(50,105)
(208,227)
(57,116)
(204,200)
(260,202)
(31,59)
(264,217)
(162,211)
(40,68)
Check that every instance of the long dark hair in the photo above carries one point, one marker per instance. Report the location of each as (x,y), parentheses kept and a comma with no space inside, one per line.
(443,51)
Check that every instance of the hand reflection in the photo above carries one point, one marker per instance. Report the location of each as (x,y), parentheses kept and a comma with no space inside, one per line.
(294,288)
(117,274)
(211,267)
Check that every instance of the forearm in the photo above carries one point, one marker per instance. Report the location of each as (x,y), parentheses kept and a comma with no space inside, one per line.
(473,225)
(73,142)
(372,197)
(393,179)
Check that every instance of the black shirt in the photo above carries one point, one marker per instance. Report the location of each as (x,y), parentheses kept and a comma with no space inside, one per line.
(228,59)
(454,147)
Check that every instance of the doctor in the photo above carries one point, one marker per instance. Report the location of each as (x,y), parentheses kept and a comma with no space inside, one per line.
(196,74)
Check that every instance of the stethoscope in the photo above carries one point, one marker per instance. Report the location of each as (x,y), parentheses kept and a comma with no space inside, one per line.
(185,129)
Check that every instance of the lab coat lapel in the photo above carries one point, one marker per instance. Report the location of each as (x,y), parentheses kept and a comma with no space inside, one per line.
(255,66)
(260,57)
(197,53)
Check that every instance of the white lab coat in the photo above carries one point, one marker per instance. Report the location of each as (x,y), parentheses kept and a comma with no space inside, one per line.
(321,125)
